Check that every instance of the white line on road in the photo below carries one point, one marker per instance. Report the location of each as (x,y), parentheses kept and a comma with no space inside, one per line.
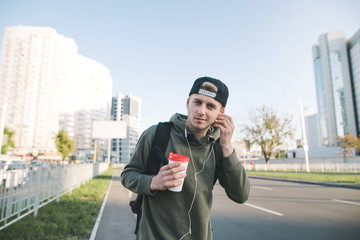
(264,188)
(263,209)
(343,201)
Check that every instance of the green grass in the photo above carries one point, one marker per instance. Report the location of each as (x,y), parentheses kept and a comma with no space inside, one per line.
(73,217)
(353,178)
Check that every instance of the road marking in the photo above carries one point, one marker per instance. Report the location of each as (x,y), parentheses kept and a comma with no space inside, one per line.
(343,201)
(263,209)
(263,188)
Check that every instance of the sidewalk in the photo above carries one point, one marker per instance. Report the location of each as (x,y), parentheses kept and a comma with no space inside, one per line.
(116,220)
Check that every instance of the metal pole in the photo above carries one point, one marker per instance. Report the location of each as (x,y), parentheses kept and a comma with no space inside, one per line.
(2,124)
(37,190)
(109,151)
(305,143)
(94,157)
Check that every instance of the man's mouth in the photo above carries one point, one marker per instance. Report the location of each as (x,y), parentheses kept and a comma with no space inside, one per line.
(200,119)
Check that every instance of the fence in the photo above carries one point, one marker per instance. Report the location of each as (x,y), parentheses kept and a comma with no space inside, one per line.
(26,189)
(301,167)
(329,164)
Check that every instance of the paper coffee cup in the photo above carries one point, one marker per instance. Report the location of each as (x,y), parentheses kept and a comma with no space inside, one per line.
(184,161)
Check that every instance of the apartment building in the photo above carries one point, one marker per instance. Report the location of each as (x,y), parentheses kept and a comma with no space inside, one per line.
(46,86)
(126,109)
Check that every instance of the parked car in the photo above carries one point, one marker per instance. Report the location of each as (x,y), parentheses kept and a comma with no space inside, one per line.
(16,165)
(4,164)
(18,170)
(34,165)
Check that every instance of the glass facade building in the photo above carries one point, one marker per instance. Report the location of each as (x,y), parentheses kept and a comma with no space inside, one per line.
(334,88)
(354,59)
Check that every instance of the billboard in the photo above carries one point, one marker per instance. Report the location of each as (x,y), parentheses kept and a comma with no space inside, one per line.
(109,129)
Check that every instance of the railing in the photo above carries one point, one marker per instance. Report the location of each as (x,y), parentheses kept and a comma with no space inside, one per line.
(301,167)
(24,190)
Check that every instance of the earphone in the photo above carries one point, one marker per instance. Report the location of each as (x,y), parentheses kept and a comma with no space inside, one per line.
(210,138)
(195,176)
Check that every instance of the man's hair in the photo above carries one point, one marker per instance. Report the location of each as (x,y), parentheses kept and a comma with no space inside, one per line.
(209,87)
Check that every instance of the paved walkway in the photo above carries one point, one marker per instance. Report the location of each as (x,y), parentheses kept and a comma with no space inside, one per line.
(116,220)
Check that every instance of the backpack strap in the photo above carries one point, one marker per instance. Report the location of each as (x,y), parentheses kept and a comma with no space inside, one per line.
(156,156)
(158,148)
(219,156)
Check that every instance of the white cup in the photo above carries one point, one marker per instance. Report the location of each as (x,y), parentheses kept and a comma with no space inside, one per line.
(184,161)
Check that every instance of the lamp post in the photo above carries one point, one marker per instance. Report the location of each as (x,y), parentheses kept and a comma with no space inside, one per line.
(303,131)
(305,143)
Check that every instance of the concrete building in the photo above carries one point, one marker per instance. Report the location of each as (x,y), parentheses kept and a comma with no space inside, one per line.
(48,86)
(333,88)
(128,110)
(312,129)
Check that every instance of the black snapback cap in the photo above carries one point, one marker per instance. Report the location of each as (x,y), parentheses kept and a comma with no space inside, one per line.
(221,95)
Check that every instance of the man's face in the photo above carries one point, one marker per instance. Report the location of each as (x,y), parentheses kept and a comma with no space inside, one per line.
(202,112)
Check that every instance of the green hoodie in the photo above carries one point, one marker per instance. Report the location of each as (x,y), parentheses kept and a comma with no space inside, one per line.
(173,215)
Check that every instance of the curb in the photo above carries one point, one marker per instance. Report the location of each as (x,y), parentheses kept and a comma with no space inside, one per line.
(327,184)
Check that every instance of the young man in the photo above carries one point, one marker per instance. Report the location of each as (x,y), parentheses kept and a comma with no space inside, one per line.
(186,214)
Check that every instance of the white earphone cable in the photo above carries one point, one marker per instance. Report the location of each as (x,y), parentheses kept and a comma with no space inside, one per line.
(195,176)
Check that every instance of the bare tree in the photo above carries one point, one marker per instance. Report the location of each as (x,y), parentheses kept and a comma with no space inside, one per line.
(267,130)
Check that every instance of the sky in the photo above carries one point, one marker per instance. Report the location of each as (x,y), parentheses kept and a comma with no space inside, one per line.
(261,49)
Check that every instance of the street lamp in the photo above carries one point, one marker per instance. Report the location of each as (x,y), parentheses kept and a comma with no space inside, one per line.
(303,130)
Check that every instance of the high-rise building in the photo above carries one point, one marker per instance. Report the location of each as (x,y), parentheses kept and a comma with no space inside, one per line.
(354,59)
(333,88)
(126,109)
(48,86)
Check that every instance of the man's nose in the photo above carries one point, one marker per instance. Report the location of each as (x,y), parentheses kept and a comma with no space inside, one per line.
(201,109)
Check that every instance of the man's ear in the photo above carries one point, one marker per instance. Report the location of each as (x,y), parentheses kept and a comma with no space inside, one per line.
(222,111)
(187,103)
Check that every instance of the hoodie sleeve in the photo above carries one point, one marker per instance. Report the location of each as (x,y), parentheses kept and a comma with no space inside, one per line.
(133,177)
(233,179)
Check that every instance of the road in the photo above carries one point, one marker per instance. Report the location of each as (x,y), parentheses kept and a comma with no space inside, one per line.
(286,210)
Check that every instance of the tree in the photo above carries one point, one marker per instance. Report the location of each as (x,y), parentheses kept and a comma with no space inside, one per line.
(64,143)
(247,145)
(10,141)
(348,143)
(267,130)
